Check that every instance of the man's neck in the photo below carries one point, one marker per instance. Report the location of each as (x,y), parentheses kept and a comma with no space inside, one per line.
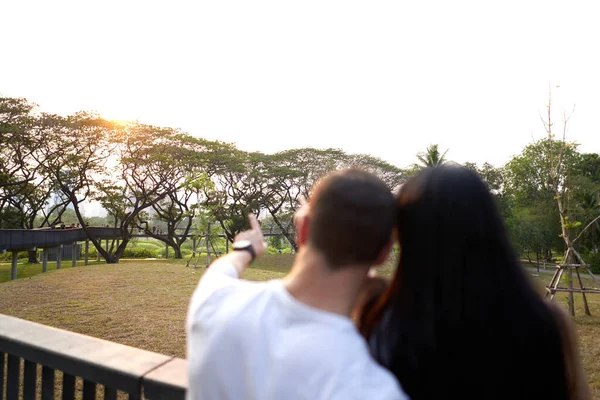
(314,283)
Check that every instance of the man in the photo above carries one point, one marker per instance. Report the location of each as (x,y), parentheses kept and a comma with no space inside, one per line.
(293,338)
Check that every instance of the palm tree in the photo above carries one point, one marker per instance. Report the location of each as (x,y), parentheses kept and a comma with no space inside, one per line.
(431,157)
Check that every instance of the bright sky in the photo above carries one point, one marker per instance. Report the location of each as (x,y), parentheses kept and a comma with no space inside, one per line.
(381,77)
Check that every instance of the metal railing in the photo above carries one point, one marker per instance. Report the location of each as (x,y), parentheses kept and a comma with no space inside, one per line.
(40,360)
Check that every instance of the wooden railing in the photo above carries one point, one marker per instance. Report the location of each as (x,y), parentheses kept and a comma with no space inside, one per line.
(56,364)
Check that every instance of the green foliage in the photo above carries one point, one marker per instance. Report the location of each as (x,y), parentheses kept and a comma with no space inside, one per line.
(593,259)
(589,167)
(7,257)
(275,242)
(530,176)
(148,245)
(139,253)
(432,157)
(534,230)
(135,252)
(147,176)
(492,177)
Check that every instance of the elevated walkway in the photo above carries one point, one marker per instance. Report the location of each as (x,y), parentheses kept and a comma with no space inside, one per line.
(16,240)
(30,239)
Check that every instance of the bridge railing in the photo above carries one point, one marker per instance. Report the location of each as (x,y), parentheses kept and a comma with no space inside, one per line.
(38,360)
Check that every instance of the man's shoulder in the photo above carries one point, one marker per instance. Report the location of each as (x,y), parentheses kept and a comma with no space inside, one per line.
(348,356)
(224,297)
(369,380)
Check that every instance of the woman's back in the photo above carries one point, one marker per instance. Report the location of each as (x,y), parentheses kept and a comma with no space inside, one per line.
(460,317)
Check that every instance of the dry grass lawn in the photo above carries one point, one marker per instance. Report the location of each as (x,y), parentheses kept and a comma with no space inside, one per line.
(588,329)
(143,303)
(137,303)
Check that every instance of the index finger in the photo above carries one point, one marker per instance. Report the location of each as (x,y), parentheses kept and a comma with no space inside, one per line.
(254,225)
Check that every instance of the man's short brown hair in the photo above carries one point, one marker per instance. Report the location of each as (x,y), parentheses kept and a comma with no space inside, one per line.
(352,214)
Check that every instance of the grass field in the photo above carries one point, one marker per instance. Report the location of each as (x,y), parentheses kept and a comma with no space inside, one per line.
(144,303)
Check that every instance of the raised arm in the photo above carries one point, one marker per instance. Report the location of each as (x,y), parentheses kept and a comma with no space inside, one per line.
(247,246)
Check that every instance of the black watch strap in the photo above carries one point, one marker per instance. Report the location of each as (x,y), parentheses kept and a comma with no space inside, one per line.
(245,245)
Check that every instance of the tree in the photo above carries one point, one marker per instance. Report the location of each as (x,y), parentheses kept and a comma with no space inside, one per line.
(275,242)
(432,157)
(200,159)
(562,171)
(24,188)
(177,211)
(237,191)
(77,151)
(393,176)
(289,176)
(493,177)
(588,166)
(534,234)
(16,145)
(149,170)
(588,209)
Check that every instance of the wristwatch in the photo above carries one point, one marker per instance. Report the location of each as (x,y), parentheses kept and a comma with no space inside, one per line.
(244,245)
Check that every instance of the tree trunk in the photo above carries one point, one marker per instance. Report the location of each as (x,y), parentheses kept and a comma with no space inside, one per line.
(285,231)
(177,252)
(32,257)
(529,257)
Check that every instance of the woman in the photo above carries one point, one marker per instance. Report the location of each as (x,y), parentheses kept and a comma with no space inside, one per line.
(460,318)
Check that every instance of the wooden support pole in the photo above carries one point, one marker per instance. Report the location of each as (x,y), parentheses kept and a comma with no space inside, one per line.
(74,255)
(570,285)
(567,290)
(551,284)
(585,303)
(44,260)
(13,265)
(166,251)
(87,250)
(226,246)
(58,256)
(207,249)
(556,282)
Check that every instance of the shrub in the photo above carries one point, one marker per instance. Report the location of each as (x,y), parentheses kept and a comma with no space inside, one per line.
(7,257)
(148,245)
(139,253)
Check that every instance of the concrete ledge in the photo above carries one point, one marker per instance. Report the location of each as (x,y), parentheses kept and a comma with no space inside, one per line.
(169,381)
(111,364)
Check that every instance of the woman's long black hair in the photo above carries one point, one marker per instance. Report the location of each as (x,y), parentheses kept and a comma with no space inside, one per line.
(460,318)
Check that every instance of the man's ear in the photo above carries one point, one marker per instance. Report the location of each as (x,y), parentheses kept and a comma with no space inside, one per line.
(385,252)
(303,229)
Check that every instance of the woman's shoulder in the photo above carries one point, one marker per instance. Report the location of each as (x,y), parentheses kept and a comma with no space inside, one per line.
(371,290)
(559,313)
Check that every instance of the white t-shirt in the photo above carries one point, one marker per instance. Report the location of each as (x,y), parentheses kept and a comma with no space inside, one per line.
(253,340)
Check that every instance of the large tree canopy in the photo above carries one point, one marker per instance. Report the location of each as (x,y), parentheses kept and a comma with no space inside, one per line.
(143,175)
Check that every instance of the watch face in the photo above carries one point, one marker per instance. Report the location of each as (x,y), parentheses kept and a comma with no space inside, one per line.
(240,244)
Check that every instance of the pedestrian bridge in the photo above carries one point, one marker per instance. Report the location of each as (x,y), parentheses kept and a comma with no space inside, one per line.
(16,240)
(31,239)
